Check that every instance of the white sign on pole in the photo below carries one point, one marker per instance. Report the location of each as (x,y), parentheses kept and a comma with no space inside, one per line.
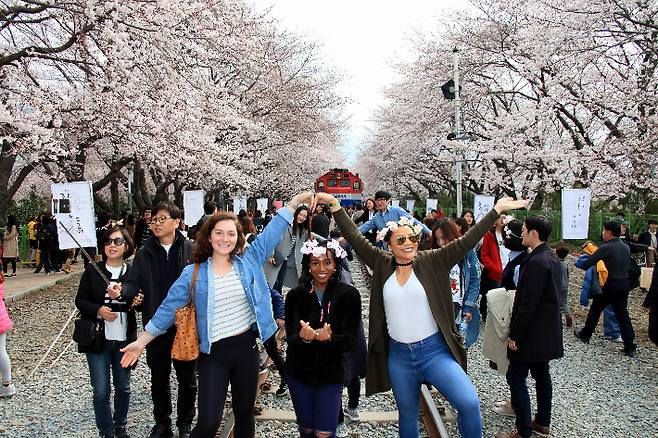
(261,204)
(73,208)
(395,202)
(431,204)
(482,204)
(410,205)
(575,213)
(193,206)
(239,203)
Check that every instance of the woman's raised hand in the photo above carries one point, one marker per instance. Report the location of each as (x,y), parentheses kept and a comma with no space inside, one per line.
(301,198)
(505,204)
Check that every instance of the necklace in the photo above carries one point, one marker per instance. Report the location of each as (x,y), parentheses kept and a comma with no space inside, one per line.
(403,264)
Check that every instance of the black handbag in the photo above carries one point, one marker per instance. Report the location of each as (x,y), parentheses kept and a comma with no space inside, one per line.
(87,333)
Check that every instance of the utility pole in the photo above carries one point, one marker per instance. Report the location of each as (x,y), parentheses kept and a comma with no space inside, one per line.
(458,162)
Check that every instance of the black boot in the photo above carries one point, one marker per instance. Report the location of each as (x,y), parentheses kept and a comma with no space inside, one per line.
(161,431)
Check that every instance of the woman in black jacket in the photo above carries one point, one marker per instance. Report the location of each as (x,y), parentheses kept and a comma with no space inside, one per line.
(322,318)
(116,327)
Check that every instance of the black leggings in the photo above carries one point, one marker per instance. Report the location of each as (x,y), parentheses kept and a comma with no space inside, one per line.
(233,360)
(274,354)
(353,394)
(5,264)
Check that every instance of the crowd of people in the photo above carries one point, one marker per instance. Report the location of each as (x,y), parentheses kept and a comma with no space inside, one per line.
(252,274)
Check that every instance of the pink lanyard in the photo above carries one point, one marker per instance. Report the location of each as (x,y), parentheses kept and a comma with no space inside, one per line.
(321,307)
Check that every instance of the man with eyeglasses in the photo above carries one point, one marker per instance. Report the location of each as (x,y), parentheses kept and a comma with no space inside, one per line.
(386,213)
(157,265)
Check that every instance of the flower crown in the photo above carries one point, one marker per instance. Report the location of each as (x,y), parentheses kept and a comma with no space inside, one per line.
(313,247)
(402,222)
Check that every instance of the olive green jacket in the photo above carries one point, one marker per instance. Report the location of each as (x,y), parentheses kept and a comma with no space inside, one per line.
(432,269)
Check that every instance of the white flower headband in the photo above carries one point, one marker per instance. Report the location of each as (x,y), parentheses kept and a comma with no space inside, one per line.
(402,222)
(313,247)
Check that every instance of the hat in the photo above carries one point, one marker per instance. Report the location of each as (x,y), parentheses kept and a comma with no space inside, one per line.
(619,220)
(382,194)
(512,236)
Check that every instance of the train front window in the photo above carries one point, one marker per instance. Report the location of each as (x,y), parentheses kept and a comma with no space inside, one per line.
(331,183)
(344,182)
(357,185)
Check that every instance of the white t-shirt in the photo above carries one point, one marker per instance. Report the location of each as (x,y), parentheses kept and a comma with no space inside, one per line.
(455,285)
(116,330)
(502,250)
(408,314)
(167,247)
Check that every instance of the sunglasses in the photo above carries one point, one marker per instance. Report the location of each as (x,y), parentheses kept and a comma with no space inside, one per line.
(414,238)
(118,241)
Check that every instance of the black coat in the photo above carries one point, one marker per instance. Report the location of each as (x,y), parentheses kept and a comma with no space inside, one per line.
(536,323)
(145,273)
(91,296)
(321,363)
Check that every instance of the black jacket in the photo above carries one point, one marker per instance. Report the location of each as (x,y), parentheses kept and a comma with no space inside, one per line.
(536,323)
(321,363)
(91,296)
(145,275)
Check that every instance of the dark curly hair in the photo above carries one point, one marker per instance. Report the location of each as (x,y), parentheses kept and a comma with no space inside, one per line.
(202,249)
(306,280)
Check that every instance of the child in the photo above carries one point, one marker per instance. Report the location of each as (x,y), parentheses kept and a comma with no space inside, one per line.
(562,253)
(7,389)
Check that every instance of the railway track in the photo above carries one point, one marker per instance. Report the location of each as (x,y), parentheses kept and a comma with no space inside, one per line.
(434,415)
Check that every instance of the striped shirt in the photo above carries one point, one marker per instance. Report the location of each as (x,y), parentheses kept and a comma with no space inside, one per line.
(232,312)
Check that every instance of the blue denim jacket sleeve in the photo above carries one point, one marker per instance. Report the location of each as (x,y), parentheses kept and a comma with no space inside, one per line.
(370,225)
(165,316)
(471,297)
(263,247)
(586,290)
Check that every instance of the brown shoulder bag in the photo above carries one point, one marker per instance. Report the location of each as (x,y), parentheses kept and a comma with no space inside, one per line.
(186,342)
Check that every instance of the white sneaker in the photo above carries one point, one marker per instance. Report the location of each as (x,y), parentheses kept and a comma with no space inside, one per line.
(7,391)
(341,430)
(352,414)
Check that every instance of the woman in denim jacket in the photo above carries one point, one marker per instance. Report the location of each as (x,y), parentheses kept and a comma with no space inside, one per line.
(229,283)
(444,232)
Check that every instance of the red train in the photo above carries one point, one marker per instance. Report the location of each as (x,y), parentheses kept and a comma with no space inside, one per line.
(343,184)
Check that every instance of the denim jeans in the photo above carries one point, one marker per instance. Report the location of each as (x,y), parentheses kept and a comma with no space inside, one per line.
(100,365)
(430,360)
(517,373)
(610,324)
(316,406)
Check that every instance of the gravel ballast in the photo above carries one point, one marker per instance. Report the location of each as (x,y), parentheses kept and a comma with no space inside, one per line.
(597,391)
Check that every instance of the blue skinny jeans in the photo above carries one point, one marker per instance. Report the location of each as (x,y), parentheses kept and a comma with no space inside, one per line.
(100,366)
(430,360)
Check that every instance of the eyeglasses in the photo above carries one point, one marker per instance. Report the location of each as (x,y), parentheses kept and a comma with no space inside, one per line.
(118,241)
(159,220)
(381,200)
(413,238)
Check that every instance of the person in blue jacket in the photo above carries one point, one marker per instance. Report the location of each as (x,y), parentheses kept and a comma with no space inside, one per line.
(466,280)
(233,306)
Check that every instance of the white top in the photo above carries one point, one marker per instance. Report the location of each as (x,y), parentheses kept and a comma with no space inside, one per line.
(455,285)
(503,251)
(116,330)
(408,313)
(167,248)
(232,312)
(654,243)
